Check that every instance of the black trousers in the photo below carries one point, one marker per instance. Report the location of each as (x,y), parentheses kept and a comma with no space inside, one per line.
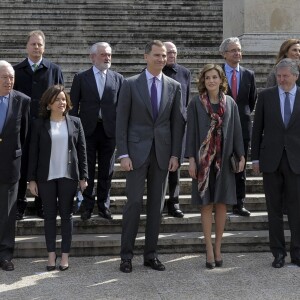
(240,179)
(58,194)
(102,149)
(174,189)
(8,196)
(283,182)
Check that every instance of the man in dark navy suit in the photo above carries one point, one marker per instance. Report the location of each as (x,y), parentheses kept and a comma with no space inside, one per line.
(14,114)
(32,77)
(183,76)
(94,94)
(275,151)
(242,88)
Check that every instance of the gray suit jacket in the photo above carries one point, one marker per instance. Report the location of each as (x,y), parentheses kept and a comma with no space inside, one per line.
(270,137)
(136,131)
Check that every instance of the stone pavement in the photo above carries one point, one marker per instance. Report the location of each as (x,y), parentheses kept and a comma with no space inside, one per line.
(244,276)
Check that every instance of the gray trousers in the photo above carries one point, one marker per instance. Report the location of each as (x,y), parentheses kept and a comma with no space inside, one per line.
(156,189)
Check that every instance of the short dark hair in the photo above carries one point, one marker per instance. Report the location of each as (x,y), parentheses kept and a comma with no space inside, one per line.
(157,43)
(49,97)
(201,79)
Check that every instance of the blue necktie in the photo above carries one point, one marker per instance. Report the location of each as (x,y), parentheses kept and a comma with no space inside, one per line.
(154,101)
(287,110)
(3,110)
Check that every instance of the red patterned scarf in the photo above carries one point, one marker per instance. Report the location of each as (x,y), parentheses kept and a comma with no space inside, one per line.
(210,150)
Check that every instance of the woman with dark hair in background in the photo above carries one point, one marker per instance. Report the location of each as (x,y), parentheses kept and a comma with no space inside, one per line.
(57,162)
(213,134)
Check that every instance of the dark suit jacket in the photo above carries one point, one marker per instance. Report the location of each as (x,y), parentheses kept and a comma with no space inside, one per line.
(86,101)
(40,150)
(13,137)
(34,84)
(136,130)
(183,76)
(246,99)
(270,137)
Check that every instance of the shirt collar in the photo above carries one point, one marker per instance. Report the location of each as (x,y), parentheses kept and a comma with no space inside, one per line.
(230,69)
(96,71)
(292,91)
(32,63)
(149,76)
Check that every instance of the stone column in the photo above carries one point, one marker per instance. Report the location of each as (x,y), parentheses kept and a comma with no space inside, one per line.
(261,25)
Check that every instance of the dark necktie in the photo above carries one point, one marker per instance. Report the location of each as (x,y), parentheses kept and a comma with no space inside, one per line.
(234,84)
(154,101)
(287,110)
(3,110)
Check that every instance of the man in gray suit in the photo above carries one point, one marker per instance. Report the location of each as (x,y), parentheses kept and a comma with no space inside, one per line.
(275,152)
(149,134)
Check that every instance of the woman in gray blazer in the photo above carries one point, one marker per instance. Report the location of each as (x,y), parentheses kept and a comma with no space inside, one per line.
(57,163)
(213,134)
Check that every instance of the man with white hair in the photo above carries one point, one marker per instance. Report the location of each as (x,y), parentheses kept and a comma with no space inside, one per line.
(14,117)
(94,95)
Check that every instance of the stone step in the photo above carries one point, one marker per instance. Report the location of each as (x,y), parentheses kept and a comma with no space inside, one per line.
(191,222)
(174,242)
(253,185)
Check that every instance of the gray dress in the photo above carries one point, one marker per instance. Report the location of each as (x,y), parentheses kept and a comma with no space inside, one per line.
(198,124)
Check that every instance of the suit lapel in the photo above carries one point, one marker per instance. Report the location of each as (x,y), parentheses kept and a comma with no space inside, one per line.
(296,108)
(275,106)
(142,88)
(91,81)
(165,95)
(70,128)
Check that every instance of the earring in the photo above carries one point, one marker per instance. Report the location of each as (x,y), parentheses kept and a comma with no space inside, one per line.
(48,108)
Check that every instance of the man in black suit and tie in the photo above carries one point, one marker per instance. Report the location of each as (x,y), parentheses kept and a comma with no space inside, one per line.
(150,127)
(32,77)
(183,76)
(275,152)
(242,88)
(14,114)
(94,94)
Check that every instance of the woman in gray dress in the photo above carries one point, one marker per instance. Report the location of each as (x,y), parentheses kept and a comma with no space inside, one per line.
(213,134)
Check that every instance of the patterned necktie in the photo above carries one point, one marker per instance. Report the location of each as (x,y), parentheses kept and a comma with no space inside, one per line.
(3,110)
(34,67)
(154,101)
(234,84)
(287,110)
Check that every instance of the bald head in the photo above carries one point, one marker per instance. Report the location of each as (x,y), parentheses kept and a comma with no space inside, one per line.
(171,53)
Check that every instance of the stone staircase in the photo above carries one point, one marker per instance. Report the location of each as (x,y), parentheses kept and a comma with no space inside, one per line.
(71,27)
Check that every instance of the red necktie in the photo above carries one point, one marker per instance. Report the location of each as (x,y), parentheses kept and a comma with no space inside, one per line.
(234,84)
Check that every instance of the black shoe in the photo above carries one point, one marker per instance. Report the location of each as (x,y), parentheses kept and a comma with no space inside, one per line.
(210,265)
(85,215)
(52,268)
(126,266)
(7,265)
(296,261)
(40,214)
(219,263)
(278,261)
(19,215)
(63,268)
(241,210)
(176,213)
(105,213)
(155,264)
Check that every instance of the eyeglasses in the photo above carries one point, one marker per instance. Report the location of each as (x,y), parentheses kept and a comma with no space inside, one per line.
(234,51)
